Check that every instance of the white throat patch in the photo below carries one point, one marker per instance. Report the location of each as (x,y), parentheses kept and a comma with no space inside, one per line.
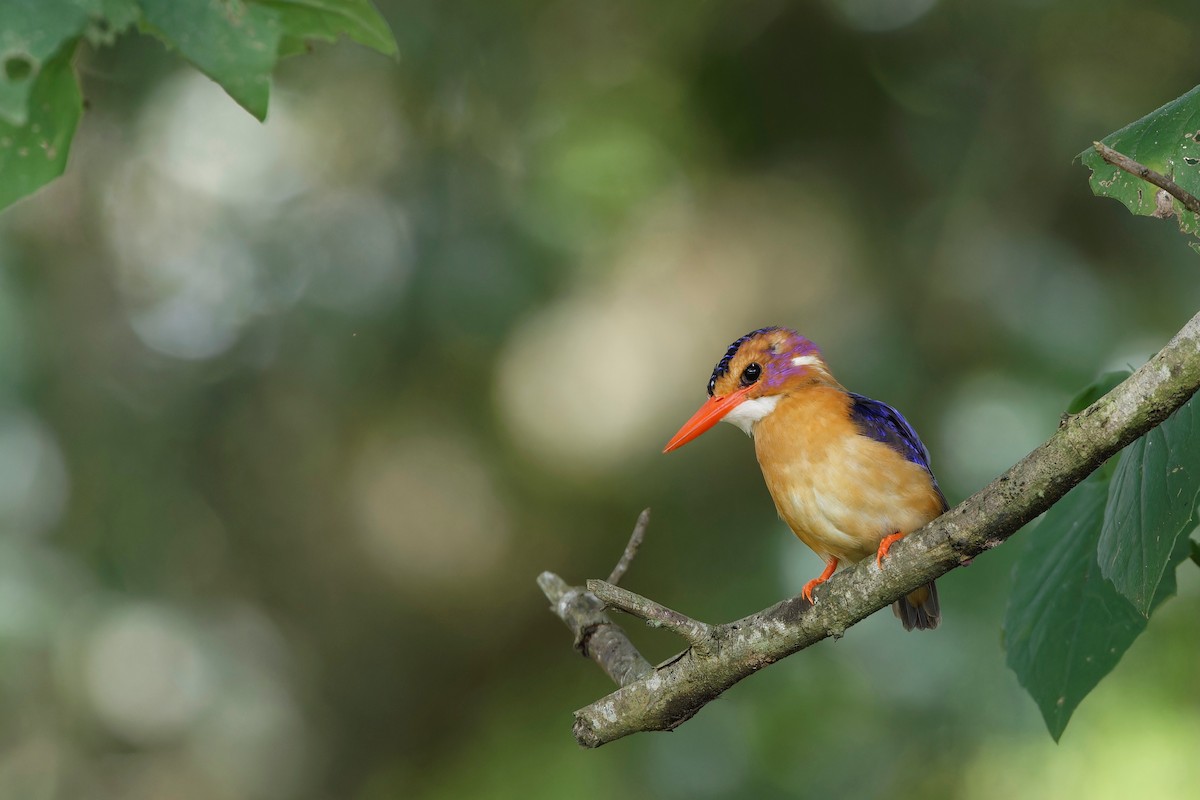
(751,411)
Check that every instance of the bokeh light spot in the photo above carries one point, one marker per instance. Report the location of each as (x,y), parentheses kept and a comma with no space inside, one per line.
(194,136)
(146,675)
(597,377)
(876,16)
(428,510)
(349,251)
(201,300)
(991,423)
(33,477)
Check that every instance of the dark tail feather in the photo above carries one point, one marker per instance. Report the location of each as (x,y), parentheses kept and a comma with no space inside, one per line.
(920,609)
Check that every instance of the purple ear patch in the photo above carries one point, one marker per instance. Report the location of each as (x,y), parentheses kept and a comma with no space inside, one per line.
(783,366)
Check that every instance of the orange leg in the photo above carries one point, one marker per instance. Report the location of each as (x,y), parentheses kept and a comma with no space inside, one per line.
(886,545)
(807,591)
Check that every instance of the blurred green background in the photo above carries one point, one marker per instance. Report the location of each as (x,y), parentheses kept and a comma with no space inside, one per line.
(292,415)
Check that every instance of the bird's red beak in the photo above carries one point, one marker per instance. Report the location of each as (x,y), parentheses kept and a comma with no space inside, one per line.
(712,412)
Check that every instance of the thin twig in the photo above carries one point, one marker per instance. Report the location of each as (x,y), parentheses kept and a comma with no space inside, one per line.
(1189,200)
(631,549)
(697,633)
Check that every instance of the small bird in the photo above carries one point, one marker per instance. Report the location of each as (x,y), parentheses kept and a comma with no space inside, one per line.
(848,474)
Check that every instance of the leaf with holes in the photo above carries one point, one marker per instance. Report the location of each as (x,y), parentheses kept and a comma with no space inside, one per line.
(31,32)
(114,17)
(39,94)
(1167,141)
(1151,506)
(1066,626)
(35,153)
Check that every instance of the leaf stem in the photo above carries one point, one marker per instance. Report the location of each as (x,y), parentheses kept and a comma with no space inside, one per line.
(1122,161)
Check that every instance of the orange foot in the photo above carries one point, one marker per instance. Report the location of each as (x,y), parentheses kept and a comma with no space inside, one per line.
(886,545)
(807,591)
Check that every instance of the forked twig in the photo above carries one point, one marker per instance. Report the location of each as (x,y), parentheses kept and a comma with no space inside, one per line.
(698,634)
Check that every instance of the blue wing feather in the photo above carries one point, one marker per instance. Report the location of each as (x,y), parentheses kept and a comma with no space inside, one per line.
(881,422)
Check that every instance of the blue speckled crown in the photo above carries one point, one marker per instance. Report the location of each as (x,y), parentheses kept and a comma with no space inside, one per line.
(723,365)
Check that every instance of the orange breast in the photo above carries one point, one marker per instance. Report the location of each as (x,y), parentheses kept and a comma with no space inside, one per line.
(839,491)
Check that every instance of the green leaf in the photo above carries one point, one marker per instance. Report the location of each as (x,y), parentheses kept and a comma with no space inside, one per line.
(1151,505)
(237,42)
(231,41)
(1166,140)
(31,32)
(113,18)
(234,42)
(35,153)
(1100,387)
(308,20)
(1066,626)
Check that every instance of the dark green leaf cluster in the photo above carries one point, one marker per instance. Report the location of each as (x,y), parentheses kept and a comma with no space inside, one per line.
(1106,554)
(235,42)
(1103,560)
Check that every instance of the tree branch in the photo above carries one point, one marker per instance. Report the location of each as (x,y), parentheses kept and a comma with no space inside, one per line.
(662,698)
(596,636)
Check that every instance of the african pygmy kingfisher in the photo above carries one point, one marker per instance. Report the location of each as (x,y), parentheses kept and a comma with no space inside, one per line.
(848,474)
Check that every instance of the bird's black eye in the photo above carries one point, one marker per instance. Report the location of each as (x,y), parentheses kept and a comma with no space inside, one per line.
(751,373)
